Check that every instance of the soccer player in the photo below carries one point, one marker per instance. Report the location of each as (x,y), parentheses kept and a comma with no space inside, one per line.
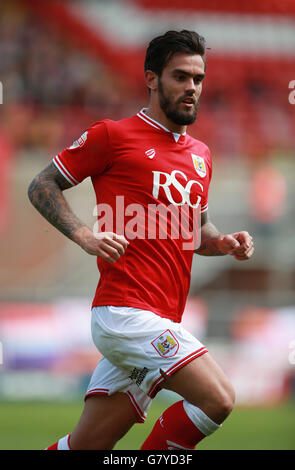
(139,164)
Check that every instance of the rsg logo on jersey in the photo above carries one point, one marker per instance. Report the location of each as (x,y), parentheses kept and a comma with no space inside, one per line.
(172,181)
(180,219)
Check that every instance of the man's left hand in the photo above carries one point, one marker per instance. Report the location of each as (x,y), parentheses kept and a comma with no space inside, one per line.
(246,248)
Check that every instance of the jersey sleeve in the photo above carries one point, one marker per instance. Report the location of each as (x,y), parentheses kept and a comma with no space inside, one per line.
(204,201)
(88,156)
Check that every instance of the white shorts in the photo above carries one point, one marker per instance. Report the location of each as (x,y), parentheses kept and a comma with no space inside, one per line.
(135,345)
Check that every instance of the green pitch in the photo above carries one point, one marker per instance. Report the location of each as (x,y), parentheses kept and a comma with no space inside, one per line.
(36,425)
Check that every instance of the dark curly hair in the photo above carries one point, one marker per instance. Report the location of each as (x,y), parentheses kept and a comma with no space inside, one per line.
(161,49)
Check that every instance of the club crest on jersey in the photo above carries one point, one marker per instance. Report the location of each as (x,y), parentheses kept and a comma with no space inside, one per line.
(166,344)
(79,142)
(199,165)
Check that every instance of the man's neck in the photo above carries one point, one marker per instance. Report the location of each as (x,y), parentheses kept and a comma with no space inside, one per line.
(158,115)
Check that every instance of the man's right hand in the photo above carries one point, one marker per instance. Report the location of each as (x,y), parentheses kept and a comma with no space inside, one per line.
(108,245)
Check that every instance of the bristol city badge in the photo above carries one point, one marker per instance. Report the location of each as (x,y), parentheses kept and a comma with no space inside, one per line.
(80,142)
(166,344)
(199,165)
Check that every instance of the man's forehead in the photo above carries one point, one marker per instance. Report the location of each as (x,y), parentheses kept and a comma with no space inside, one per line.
(192,63)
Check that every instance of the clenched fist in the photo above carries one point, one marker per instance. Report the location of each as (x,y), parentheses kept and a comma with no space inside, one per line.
(239,244)
(108,245)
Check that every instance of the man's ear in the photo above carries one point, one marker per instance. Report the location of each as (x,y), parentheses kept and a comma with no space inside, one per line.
(151,80)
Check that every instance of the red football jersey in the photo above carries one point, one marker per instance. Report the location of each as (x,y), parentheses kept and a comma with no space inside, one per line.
(149,184)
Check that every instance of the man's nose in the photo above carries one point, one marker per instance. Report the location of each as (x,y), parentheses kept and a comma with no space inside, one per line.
(190,86)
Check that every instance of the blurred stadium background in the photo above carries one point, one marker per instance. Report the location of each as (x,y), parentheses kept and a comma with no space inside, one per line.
(64,65)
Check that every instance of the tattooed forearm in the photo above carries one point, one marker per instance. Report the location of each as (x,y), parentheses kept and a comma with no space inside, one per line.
(45,193)
(209,237)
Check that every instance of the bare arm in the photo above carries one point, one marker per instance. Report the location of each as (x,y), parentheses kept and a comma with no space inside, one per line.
(209,238)
(214,243)
(46,194)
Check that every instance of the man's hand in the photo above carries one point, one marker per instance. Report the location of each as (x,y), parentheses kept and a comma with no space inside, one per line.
(239,244)
(108,245)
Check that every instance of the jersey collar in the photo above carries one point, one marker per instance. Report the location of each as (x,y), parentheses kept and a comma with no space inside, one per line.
(142,115)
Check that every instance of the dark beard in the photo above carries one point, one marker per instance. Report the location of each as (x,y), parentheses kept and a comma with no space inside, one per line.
(178,117)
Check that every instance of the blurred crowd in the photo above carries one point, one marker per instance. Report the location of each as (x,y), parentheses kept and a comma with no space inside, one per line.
(52,90)
(49,86)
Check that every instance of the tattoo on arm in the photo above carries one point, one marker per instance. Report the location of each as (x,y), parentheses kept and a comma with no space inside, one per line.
(45,193)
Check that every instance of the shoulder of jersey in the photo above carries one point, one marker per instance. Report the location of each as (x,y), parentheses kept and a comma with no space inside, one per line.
(201,146)
(115,125)
(100,123)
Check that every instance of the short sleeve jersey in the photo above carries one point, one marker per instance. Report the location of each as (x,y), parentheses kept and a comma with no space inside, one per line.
(151,186)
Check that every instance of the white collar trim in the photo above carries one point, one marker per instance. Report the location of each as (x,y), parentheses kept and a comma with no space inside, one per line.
(156,124)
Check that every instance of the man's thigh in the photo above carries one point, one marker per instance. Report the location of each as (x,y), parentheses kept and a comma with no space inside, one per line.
(202,383)
(104,420)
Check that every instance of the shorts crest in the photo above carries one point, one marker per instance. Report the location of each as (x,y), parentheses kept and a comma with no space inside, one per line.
(166,344)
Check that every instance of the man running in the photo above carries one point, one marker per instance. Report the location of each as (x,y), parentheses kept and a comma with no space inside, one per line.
(145,165)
